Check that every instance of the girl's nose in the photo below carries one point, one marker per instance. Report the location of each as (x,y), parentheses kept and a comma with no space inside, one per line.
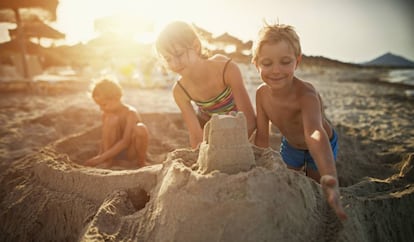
(275,68)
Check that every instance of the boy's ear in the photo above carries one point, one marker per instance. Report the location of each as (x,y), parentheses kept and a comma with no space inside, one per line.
(256,65)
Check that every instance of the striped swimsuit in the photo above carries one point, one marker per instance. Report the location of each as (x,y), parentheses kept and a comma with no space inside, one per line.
(222,104)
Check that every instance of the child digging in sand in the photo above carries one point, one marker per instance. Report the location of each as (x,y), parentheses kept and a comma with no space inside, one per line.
(296,108)
(124,136)
(214,84)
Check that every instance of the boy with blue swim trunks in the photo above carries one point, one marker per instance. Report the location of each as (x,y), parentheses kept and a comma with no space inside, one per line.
(297,158)
(294,106)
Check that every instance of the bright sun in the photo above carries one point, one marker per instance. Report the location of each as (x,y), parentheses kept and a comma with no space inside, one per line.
(76,18)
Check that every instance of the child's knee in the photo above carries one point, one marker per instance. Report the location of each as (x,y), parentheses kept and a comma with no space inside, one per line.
(141,130)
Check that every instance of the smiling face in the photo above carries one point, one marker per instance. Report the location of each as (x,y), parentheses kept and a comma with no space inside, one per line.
(178,59)
(179,46)
(277,63)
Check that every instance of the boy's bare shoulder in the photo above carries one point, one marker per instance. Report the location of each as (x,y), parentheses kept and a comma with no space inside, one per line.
(306,92)
(132,114)
(262,88)
(304,87)
(130,109)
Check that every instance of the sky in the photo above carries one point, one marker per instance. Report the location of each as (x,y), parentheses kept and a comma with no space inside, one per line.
(346,30)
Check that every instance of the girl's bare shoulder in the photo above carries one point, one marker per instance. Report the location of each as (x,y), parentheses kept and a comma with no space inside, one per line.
(219,58)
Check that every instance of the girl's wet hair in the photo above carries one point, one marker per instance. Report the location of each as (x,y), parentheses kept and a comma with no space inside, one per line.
(275,33)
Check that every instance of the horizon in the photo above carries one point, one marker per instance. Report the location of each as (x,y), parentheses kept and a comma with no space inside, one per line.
(348,31)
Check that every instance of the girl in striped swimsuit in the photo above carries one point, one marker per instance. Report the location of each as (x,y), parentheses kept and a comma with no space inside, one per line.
(214,84)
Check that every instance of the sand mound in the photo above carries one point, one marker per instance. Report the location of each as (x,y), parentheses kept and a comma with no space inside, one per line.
(48,196)
(249,206)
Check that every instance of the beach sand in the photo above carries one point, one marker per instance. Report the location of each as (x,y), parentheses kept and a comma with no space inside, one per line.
(48,195)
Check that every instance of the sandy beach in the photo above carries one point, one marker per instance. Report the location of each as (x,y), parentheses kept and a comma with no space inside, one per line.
(48,130)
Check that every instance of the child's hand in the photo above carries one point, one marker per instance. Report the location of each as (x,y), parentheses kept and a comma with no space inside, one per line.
(331,191)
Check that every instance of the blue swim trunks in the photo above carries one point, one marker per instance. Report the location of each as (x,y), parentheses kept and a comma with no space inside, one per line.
(297,158)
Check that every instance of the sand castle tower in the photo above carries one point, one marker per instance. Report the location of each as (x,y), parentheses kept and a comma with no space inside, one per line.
(225,145)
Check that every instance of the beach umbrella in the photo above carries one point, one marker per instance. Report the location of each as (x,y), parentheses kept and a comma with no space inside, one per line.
(49,6)
(13,46)
(245,46)
(227,41)
(203,33)
(226,38)
(37,29)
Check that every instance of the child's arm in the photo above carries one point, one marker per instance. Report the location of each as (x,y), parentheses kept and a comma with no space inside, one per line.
(101,143)
(262,132)
(234,79)
(131,122)
(316,138)
(189,116)
(318,144)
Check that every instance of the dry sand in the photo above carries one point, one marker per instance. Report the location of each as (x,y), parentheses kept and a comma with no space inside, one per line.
(47,195)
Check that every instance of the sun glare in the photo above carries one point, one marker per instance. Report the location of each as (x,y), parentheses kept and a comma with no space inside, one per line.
(82,20)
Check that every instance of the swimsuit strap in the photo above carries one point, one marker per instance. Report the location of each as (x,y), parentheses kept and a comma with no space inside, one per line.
(185,91)
(224,70)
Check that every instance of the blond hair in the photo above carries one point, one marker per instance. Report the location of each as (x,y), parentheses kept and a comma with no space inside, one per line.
(271,34)
(178,34)
(106,88)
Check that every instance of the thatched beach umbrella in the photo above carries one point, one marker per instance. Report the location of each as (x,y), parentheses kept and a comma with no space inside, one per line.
(37,29)
(13,46)
(48,6)
(227,38)
(203,33)
(246,45)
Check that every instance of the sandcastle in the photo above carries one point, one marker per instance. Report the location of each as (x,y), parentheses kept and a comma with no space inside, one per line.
(225,145)
(47,197)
